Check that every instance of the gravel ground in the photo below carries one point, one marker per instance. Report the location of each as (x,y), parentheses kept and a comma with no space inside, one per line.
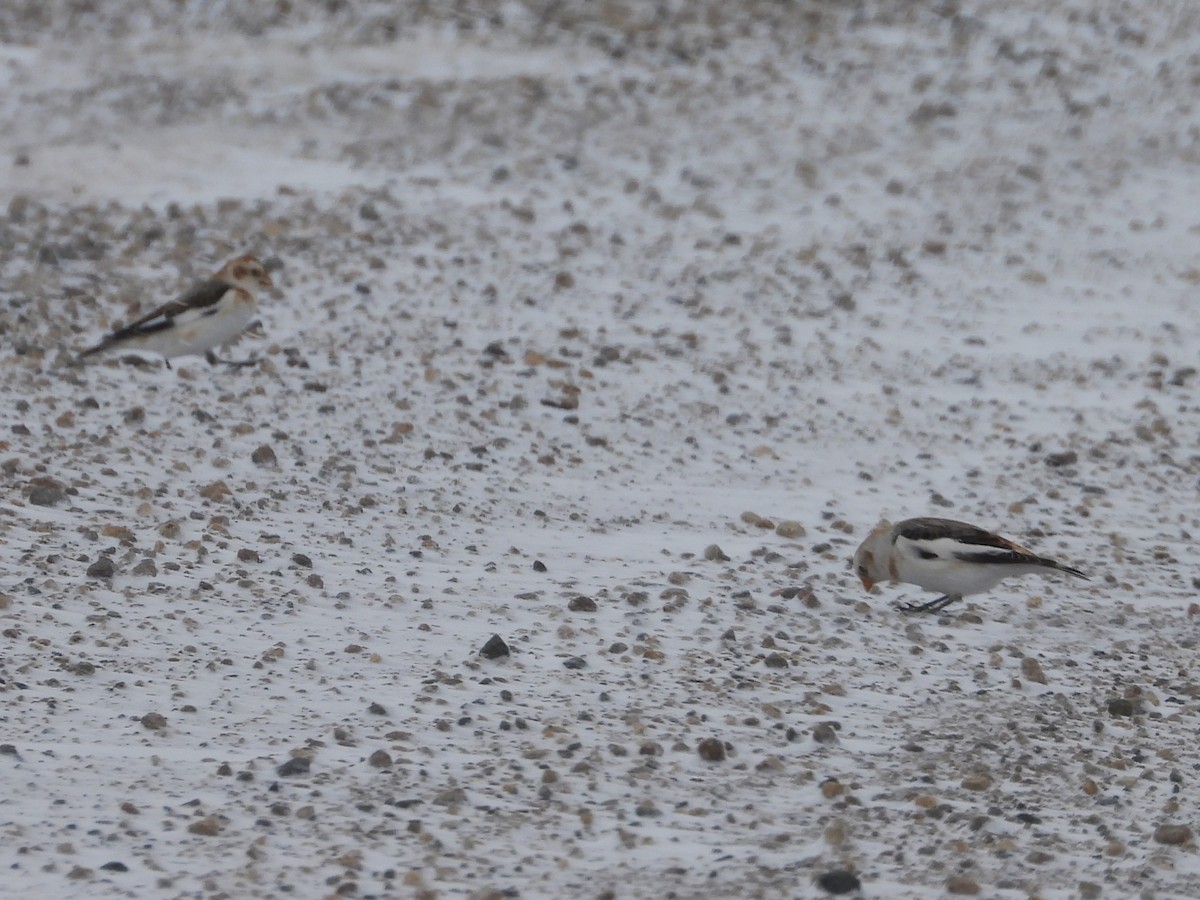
(608,329)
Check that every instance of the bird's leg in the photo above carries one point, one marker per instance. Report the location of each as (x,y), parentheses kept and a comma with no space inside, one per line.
(932,606)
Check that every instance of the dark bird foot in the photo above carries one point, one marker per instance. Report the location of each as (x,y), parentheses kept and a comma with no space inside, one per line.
(930,607)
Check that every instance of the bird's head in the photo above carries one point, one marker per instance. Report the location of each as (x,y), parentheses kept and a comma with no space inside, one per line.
(872,557)
(246,272)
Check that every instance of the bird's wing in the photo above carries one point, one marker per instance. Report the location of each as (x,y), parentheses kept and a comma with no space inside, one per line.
(948,539)
(202,297)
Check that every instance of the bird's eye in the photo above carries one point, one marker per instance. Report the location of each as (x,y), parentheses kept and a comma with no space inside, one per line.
(862,571)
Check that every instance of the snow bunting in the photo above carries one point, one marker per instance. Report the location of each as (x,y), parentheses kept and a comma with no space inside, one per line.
(212,313)
(942,555)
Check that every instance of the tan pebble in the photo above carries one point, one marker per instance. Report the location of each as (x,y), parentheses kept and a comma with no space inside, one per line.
(790,529)
(1173,834)
(154,721)
(835,833)
(1032,670)
(960,884)
(832,788)
(711,749)
(218,490)
(977,782)
(926,801)
(209,826)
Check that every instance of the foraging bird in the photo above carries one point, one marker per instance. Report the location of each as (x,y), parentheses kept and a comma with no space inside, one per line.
(942,555)
(212,313)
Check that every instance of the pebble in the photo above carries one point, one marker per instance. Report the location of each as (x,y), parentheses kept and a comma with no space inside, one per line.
(575,662)
(824,733)
(790,529)
(977,782)
(209,826)
(714,553)
(711,749)
(1119,706)
(264,456)
(1032,670)
(451,797)
(102,568)
(831,788)
(752,518)
(154,721)
(380,759)
(839,881)
(960,884)
(1173,834)
(216,491)
(146,567)
(296,765)
(1063,458)
(46,495)
(581,604)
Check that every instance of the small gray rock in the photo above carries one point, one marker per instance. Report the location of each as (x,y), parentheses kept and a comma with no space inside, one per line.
(102,568)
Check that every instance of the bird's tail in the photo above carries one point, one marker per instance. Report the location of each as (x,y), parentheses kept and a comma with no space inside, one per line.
(98,348)
(1070,570)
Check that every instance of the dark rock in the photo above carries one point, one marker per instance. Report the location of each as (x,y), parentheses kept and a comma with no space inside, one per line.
(839,881)
(1119,706)
(115,866)
(575,662)
(102,568)
(713,553)
(146,567)
(824,733)
(1063,458)
(380,759)
(1173,834)
(711,749)
(154,721)
(46,494)
(301,560)
(264,456)
(494,648)
(297,765)
(581,604)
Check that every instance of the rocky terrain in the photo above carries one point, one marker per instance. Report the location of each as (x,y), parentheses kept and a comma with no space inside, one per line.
(603,333)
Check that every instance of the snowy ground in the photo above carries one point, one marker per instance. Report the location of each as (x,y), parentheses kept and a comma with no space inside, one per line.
(610,329)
